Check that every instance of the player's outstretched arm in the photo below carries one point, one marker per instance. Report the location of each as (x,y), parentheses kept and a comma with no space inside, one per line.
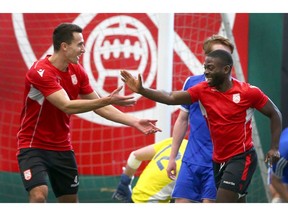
(146,126)
(172,98)
(61,100)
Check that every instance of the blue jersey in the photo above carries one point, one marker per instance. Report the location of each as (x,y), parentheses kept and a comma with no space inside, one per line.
(283,144)
(281,167)
(199,148)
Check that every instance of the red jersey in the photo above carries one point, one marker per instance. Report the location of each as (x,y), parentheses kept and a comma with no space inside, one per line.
(43,125)
(229,115)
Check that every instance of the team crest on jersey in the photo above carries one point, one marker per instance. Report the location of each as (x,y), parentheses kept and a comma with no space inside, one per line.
(27,174)
(236,98)
(74,79)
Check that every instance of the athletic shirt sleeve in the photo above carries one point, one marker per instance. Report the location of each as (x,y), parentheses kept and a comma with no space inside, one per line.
(43,79)
(256,96)
(47,79)
(190,82)
(195,91)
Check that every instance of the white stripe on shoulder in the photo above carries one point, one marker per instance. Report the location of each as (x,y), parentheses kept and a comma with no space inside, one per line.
(36,95)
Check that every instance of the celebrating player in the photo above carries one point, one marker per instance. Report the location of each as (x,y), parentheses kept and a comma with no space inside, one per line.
(228,105)
(195,181)
(52,88)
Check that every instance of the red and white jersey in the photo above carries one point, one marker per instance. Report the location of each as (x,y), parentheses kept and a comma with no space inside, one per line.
(229,115)
(42,124)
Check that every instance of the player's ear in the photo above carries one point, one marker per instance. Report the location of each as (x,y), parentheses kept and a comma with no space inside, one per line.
(64,45)
(227,68)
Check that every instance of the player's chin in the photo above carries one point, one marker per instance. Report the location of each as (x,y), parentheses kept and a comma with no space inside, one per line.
(210,83)
(74,60)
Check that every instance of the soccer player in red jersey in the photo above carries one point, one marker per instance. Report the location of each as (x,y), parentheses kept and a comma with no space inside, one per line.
(195,180)
(52,88)
(227,105)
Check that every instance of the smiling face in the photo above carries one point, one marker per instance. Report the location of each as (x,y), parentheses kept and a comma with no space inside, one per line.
(75,49)
(215,72)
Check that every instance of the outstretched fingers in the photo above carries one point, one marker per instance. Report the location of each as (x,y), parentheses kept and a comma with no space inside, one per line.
(116,91)
(132,83)
(155,129)
(117,99)
(125,75)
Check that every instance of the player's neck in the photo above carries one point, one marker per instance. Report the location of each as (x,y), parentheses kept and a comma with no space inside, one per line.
(57,61)
(225,86)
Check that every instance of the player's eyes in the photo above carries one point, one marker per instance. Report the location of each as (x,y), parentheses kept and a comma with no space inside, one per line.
(207,67)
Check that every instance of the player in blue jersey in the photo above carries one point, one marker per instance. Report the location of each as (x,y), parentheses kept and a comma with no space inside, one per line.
(195,181)
(275,196)
(279,176)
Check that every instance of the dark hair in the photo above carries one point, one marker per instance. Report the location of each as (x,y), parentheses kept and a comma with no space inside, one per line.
(224,56)
(64,33)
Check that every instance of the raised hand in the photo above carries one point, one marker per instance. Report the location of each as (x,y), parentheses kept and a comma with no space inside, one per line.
(120,100)
(133,84)
(146,126)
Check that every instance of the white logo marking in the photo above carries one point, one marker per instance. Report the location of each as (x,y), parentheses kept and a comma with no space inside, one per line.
(75,181)
(74,79)
(27,174)
(227,182)
(41,72)
(236,98)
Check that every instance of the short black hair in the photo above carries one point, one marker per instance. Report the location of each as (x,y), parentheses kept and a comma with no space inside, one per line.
(64,33)
(225,56)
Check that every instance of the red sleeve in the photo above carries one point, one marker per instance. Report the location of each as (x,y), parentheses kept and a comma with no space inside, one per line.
(194,92)
(45,82)
(257,97)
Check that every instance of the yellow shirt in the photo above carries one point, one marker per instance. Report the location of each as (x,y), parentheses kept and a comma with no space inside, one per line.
(154,185)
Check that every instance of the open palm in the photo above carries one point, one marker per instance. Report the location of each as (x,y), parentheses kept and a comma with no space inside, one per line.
(133,84)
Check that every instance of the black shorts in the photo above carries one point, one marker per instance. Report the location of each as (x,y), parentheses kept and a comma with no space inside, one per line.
(37,165)
(236,174)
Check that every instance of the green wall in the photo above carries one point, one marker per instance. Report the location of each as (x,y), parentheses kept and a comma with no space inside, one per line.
(92,189)
(265,59)
(264,71)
